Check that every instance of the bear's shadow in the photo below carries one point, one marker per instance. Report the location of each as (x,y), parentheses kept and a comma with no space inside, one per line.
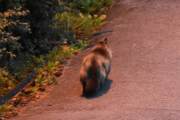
(103,90)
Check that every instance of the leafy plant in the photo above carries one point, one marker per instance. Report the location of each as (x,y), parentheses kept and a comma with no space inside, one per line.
(7,82)
(4,108)
(90,6)
(78,23)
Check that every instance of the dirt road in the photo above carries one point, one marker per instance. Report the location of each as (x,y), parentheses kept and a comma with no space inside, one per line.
(145,78)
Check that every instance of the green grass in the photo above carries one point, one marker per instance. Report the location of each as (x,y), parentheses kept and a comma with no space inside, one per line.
(48,65)
(5,108)
(90,6)
(45,74)
(81,24)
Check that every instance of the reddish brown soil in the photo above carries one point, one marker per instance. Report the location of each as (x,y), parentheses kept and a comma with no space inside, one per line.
(145,71)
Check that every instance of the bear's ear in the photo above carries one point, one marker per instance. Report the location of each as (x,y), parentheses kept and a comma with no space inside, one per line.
(105,40)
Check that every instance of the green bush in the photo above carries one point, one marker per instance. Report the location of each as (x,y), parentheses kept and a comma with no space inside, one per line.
(13,36)
(90,6)
(8,47)
(78,23)
(10,4)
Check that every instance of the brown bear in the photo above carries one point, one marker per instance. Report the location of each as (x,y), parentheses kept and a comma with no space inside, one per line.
(95,68)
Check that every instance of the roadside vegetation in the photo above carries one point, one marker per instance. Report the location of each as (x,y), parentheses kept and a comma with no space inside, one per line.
(41,35)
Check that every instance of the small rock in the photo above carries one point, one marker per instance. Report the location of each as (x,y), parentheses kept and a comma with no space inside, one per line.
(42,89)
(76,53)
(58,73)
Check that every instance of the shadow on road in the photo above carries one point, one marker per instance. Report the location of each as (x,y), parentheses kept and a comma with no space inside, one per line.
(104,89)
